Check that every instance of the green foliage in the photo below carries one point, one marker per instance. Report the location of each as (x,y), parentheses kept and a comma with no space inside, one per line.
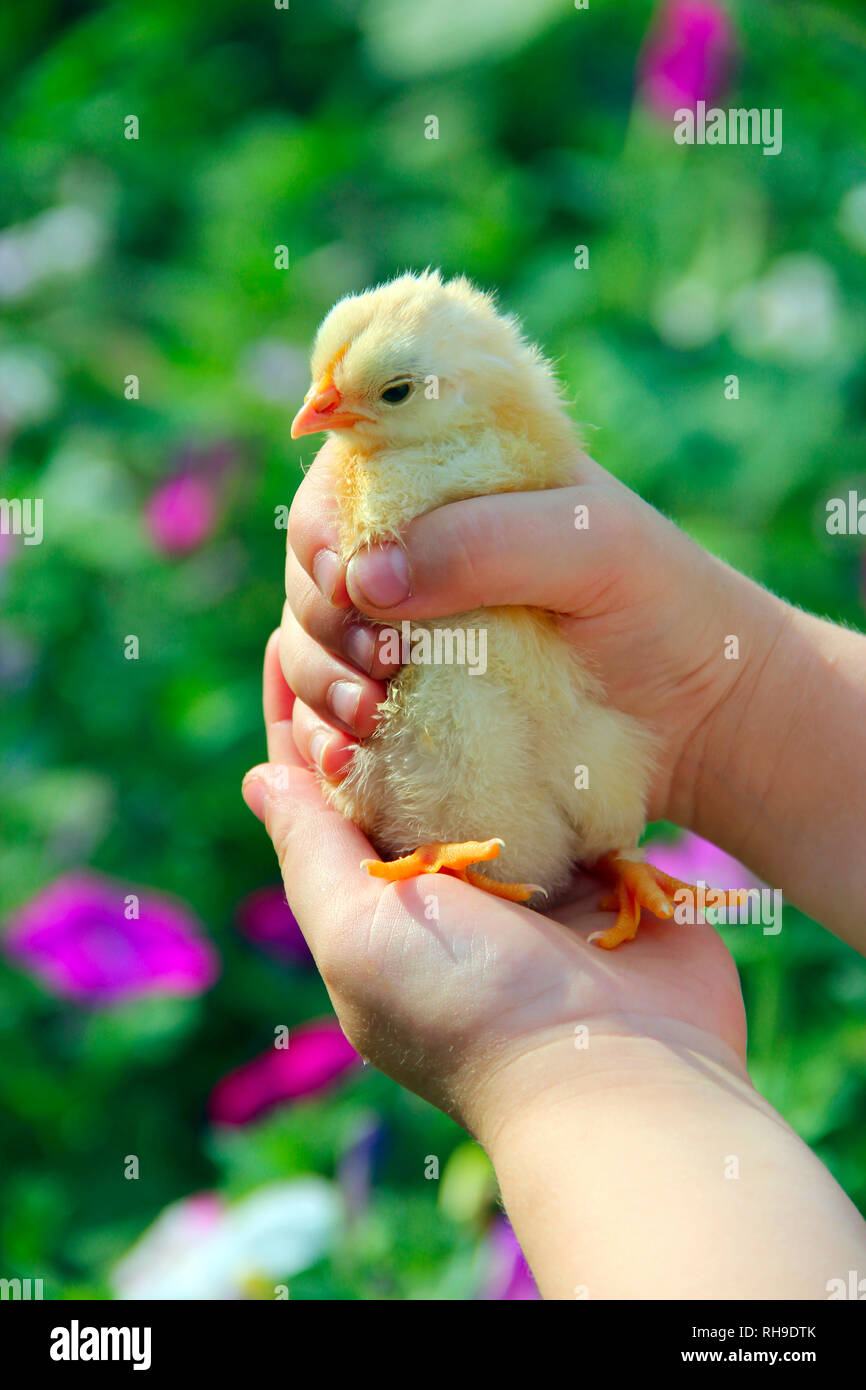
(261,127)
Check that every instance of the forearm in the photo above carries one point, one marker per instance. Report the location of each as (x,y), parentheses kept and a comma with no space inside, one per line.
(783,771)
(658,1172)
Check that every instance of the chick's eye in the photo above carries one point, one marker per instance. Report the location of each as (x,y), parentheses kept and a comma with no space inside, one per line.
(396,393)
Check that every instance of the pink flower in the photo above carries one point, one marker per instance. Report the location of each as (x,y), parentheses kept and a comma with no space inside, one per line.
(691,858)
(92,940)
(265,918)
(509,1277)
(316,1055)
(688,56)
(182,513)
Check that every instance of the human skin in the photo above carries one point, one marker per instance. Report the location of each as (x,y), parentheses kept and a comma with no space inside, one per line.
(610,1089)
(763,754)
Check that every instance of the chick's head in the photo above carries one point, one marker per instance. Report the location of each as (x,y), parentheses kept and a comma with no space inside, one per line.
(416,359)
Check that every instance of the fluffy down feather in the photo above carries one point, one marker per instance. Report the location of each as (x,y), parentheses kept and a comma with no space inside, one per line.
(460,756)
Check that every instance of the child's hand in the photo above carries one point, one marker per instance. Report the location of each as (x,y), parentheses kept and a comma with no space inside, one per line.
(464,998)
(644,1164)
(647,606)
(634,1158)
(758,707)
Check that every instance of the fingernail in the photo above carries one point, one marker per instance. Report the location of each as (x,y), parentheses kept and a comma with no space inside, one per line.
(343,700)
(318,743)
(359,644)
(255,793)
(381,575)
(326,572)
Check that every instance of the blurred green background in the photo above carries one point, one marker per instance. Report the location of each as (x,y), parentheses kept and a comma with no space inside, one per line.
(155,257)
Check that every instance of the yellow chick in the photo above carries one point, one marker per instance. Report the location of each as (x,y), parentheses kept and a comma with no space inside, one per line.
(433,396)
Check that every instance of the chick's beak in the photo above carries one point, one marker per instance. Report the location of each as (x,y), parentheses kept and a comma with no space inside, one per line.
(321,410)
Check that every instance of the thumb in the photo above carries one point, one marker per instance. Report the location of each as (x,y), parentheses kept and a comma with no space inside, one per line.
(542,549)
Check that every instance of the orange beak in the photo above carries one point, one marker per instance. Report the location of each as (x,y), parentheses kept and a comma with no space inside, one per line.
(321,410)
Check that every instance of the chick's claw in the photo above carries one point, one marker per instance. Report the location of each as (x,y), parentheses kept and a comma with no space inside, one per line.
(433,859)
(452,858)
(638,885)
(514,892)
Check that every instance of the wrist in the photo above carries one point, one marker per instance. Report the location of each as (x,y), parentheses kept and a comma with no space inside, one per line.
(614,1053)
(786,763)
(628,1186)
(736,751)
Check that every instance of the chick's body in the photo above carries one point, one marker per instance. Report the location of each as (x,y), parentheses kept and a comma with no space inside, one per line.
(462,755)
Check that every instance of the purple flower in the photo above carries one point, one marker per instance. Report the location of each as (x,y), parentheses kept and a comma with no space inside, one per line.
(265,918)
(688,56)
(357,1167)
(690,858)
(182,513)
(508,1274)
(92,940)
(317,1054)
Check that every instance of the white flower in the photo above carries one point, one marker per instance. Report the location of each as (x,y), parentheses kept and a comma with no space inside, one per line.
(203,1248)
(63,240)
(28,385)
(790,315)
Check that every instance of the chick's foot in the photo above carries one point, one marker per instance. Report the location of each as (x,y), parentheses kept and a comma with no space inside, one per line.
(638,885)
(450,858)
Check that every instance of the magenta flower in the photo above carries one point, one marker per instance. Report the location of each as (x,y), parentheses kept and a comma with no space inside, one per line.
(691,858)
(182,513)
(316,1055)
(265,918)
(508,1276)
(94,941)
(688,56)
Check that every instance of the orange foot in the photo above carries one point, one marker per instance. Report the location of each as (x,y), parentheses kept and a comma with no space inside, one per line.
(452,859)
(638,885)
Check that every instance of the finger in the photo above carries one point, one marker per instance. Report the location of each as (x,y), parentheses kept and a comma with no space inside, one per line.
(277,697)
(337,691)
(319,743)
(290,726)
(534,548)
(278,703)
(319,854)
(319,851)
(341,631)
(314,527)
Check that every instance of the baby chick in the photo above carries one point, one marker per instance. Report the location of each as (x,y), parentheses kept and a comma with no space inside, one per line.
(433,396)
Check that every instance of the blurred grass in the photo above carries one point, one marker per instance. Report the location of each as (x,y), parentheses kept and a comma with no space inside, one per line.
(258,128)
